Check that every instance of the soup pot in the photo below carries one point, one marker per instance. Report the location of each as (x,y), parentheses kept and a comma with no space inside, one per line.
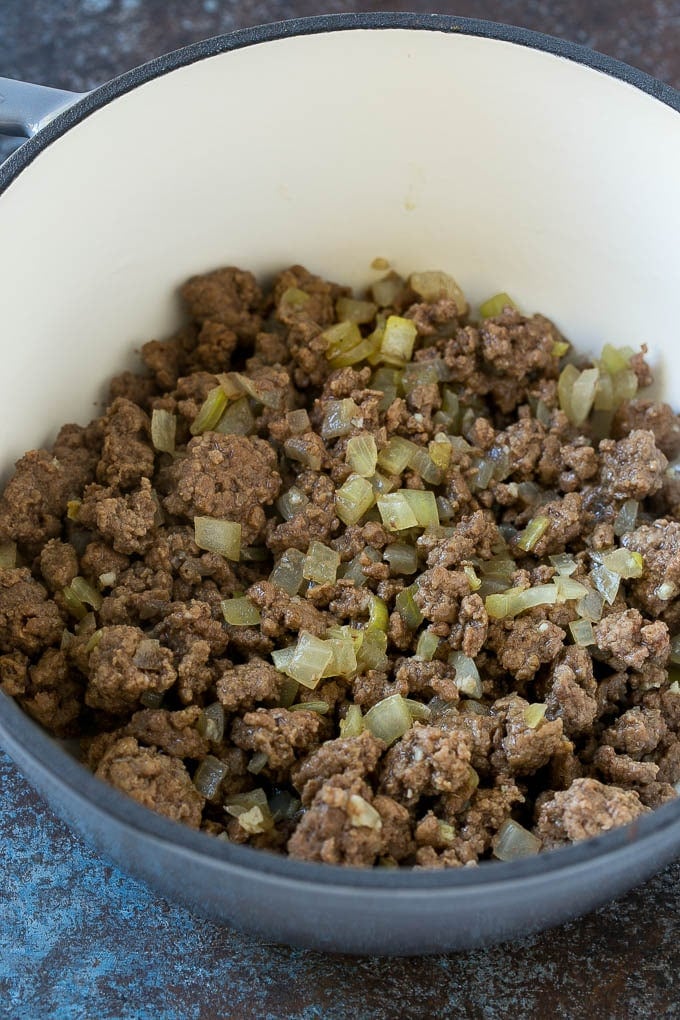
(512,160)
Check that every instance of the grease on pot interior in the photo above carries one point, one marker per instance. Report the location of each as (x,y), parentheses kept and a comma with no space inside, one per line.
(363,580)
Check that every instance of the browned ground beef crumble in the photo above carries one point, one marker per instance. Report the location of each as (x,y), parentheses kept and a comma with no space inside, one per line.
(567,740)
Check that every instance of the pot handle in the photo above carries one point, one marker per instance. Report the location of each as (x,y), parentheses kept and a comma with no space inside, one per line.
(25,108)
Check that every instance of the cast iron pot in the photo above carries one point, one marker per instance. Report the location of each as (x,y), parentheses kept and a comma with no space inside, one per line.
(513,160)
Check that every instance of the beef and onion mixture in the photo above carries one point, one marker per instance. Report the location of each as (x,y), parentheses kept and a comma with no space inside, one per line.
(365,581)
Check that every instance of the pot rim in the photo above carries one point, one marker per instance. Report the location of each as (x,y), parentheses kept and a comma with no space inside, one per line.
(20,733)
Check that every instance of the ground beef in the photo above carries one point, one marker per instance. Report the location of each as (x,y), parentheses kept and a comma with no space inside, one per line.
(145,670)
(152,779)
(128,522)
(229,477)
(632,468)
(650,416)
(426,762)
(116,681)
(29,621)
(529,645)
(631,642)
(230,297)
(571,695)
(279,734)
(345,756)
(174,733)
(340,827)
(241,688)
(587,808)
(127,455)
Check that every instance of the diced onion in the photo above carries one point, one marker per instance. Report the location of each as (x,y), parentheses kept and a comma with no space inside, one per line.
(467,675)
(163,429)
(353,723)
(287,573)
(590,606)
(389,719)
(534,715)
(309,660)
(626,518)
(83,590)
(253,816)
(257,763)
(320,707)
(423,504)
(372,655)
(362,351)
(419,373)
(495,305)
(353,499)
(606,582)
(471,574)
(398,339)
(396,511)
(440,451)
(210,412)
(616,359)
(281,657)
(533,532)
(240,612)
(434,284)
(321,564)
(483,475)
(209,775)
(381,484)
(210,723)
(340,337)
(378,614)
(362,814)
(560,348)
(290,688)
(73,603)
(582,632)
(513,841)
(351,310)
(300,449)
(362,454)
(218,536)
(294,298)
(666,591)
(517,600)
(568,588)
(564,564)
(344,660)
(408,609)
(291,503)
(107,579)
(386,291)
(421,462)
(428,643)
(394,458)
(403,559)
(339,418)
(237,420)
(624,562)
(298,422)
(419,711)
(261,391)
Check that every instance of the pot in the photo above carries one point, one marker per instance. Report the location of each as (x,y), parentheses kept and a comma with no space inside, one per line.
(512,160)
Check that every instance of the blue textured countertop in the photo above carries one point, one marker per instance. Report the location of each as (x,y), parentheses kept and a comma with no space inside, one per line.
(78,939)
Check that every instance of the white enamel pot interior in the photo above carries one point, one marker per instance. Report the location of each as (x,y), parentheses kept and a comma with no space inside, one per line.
(434,143)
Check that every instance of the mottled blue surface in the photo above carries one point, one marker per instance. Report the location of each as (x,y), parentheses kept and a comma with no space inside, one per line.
(78,939)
